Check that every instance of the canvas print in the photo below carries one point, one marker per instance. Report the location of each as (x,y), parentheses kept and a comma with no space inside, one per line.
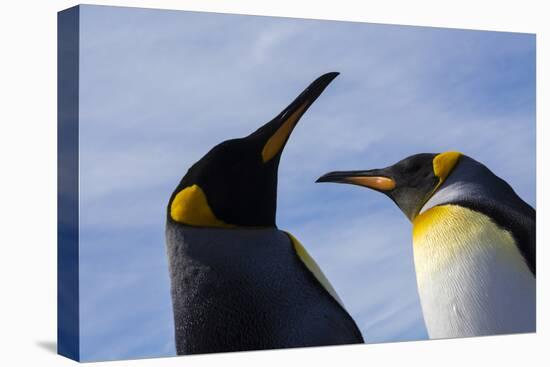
(220,179)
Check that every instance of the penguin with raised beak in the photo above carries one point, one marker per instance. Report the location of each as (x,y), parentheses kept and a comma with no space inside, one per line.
(237,281)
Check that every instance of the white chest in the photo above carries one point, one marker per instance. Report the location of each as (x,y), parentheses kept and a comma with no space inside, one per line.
(472,279)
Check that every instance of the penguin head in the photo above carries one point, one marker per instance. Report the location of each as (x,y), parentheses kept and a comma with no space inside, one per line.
(235,183)
(409,183)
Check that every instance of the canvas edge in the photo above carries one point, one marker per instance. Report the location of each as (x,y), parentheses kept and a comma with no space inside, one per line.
(68,315)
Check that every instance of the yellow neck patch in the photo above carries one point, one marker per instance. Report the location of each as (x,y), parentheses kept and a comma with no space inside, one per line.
(423,222)
(190,207)
(444,163)
(451,233)
(277,140)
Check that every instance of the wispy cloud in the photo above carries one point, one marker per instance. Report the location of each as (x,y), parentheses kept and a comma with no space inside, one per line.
(160,88)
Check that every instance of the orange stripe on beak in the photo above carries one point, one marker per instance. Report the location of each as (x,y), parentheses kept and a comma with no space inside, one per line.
(375,182)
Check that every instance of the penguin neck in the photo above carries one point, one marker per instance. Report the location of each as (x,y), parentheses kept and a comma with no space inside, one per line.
(225,234)
(470,181)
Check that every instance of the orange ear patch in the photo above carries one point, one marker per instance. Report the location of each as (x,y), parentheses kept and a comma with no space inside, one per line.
(190,207)
(444,163)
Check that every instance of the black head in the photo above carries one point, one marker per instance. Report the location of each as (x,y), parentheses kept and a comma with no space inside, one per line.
(235,183)
(409,183)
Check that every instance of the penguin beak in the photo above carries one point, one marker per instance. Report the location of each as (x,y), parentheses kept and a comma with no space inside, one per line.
(373,179)
(277,131)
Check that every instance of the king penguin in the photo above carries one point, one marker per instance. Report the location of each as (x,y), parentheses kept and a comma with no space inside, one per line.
(473,242)
(237,281)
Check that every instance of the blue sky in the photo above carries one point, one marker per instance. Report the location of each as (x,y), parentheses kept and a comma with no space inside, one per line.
(159,88)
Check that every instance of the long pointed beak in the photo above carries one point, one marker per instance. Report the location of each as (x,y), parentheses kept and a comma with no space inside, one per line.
(373,179)
(308,96)
(277,131)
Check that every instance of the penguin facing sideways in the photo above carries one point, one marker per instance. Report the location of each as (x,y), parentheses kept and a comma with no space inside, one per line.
(473,242)
(237,281)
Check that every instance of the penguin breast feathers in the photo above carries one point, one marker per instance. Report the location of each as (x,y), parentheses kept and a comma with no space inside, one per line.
(471,276)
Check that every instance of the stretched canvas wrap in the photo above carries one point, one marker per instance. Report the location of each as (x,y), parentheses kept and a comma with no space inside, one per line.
(234,183)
